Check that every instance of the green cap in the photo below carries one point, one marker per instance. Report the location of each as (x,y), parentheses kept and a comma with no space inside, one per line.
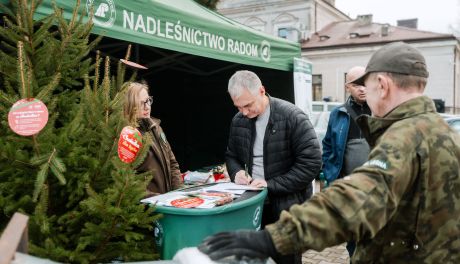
(396,57)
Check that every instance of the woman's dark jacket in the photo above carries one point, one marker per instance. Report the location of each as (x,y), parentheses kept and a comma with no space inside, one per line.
(160,160)
(292,156)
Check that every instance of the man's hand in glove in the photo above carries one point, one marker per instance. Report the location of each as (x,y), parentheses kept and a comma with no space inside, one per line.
(252,244)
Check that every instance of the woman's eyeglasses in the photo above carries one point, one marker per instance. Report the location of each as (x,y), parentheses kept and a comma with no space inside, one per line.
(148,102)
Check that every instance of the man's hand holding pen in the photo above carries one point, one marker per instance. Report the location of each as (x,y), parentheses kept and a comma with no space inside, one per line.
(242,177)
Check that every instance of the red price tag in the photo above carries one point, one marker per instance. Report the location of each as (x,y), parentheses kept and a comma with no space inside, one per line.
(129,144)
(28,116)
(188,202)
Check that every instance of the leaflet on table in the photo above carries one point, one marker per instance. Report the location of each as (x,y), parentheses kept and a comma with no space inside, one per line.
(194,199)
(216,174)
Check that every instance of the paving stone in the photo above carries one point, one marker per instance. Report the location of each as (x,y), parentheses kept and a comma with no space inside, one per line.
(332,255)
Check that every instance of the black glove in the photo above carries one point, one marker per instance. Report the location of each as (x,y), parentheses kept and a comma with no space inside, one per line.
(252,244)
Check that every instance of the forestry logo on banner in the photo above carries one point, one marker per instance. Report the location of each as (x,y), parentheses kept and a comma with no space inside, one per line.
(265,51)
(104,12)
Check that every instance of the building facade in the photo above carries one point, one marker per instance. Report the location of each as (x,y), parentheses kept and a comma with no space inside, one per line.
(292,19)
(342,45)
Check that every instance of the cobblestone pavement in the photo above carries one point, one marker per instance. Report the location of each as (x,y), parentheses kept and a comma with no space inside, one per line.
(332,255)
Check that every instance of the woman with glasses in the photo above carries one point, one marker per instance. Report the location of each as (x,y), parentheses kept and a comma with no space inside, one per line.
(159,159)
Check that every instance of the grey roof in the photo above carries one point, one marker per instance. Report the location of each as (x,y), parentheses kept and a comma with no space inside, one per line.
(354,33)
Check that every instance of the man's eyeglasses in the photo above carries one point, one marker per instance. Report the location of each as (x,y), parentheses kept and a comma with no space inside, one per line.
(148,102)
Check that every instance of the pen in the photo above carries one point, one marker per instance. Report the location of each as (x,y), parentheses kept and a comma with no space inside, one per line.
(246,171)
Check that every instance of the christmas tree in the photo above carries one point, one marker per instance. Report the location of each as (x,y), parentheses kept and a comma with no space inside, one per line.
(83,202)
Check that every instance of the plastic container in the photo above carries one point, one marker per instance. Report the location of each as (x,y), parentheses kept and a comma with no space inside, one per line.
(180,228)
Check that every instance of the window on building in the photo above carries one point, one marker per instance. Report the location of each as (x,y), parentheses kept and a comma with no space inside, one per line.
(283,32)
(317,87)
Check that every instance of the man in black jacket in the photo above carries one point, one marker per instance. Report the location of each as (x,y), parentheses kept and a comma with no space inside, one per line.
(271,144)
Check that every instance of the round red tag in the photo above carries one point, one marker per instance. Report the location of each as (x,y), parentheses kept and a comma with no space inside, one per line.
(28,116)
(188,202)
(129,144)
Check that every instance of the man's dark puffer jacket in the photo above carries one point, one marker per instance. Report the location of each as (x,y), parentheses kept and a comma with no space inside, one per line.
(292,156)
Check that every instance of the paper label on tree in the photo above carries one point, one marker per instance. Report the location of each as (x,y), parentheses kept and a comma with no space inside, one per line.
(129,144)
(28,116)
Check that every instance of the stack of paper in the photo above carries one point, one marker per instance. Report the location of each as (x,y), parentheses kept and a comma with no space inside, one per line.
(207,197)
(231,188)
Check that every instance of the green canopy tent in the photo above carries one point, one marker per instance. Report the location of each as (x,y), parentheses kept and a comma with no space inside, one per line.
(191,52)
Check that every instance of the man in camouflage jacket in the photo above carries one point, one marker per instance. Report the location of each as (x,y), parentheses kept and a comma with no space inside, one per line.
(402,205)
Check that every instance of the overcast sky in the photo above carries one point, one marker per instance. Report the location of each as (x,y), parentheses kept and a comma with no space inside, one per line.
(433,16)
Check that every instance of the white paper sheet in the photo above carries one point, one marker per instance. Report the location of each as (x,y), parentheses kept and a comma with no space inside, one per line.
(231,188)
(162,199)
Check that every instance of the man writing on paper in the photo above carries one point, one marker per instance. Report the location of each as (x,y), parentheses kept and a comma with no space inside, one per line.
(271,144)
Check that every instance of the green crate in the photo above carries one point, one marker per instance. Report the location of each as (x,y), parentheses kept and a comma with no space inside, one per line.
(180,228)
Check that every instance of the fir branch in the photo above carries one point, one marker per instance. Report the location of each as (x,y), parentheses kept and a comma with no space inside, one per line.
(8,68)
(7,48)
(75,124)
(117,101)
(58,168)
(35,144)
(18,14)
(23,91)
(29,78)
(46,92)
(59,175)
(56,161)
(25,16)
(147,142)
(11,160)
(40,213)
(40,181)
(107,238)
(106,89)
(6,10)
(32,8)
(128,52)
(37,160)
(11,91)
(43,31)
(94,43)
(63,27)
(6,98)
(30,19)
(12,32)
(112,151)
(97,70)
(121,69)
(89,100)
(74,15)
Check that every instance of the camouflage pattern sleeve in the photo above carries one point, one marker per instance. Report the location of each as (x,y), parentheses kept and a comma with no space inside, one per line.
(355,207)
